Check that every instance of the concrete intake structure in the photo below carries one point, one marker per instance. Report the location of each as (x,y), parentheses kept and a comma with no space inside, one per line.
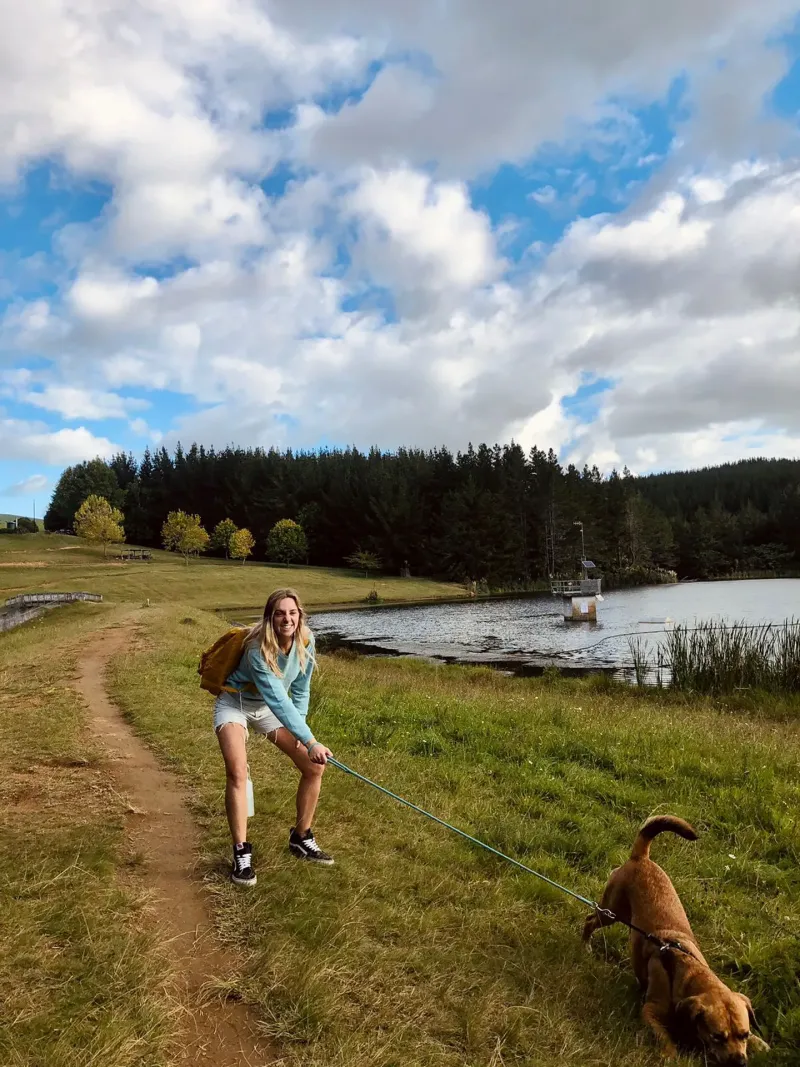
(579,598)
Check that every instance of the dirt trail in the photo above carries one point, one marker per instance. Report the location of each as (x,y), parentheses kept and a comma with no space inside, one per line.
(219,1033)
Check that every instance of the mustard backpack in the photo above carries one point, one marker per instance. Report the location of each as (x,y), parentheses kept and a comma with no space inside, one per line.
(219,661)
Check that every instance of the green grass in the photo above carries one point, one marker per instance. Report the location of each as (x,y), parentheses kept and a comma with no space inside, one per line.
(32,563)
(81,983)
(418,949)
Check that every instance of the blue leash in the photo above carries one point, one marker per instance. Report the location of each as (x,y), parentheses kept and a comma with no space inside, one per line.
(664,946)
(461,833)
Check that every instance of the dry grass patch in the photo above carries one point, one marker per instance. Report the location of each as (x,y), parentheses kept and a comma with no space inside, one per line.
(81,983)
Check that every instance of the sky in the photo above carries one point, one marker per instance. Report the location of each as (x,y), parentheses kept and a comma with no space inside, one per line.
(569,223)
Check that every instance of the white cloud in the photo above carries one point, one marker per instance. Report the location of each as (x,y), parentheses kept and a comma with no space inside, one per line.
(665,233)
(680,304)
(73,403)
(156,89)
(546,195)
(371,302)
(422,238)
(29,487)
(503,78)
(689,451)
(22,440)
(104,296)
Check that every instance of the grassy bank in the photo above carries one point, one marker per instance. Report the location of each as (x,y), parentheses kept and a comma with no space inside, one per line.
(52,563)
(80,982)
(417,949)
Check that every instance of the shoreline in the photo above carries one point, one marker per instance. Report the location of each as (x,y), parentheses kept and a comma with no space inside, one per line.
(535,665)
(363,605)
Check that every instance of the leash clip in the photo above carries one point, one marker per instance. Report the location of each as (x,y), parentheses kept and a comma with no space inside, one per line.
(673,946)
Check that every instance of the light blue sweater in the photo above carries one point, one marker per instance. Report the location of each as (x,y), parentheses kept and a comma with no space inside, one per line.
(286,697)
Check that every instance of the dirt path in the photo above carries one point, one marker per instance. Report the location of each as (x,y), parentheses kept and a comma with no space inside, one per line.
(219,1033)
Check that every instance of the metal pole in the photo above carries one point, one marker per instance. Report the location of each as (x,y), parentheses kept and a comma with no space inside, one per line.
(583,544)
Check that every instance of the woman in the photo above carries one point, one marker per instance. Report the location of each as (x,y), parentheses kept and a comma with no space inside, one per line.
(272,684)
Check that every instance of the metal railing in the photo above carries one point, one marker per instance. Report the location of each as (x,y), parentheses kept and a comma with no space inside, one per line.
(25,599)
(576,586)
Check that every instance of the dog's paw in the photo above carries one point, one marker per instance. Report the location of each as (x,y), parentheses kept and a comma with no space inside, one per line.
(756,1044)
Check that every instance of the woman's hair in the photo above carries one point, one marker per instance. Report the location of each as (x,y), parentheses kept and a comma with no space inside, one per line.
(263,637)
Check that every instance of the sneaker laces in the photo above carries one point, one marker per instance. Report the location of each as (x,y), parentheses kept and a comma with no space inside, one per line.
(242,861)
(311,844)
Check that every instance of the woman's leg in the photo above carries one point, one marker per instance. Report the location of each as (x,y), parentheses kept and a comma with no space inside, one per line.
(232,739)
(310,777)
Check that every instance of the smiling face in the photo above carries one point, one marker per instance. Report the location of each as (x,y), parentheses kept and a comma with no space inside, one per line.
(285,620)
(722,1025)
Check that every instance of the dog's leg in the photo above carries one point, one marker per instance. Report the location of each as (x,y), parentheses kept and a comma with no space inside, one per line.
(614,900)
(656,1010)
(596,920)
(592,923)
(657,1020)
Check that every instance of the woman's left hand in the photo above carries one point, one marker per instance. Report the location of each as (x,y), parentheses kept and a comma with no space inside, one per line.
(319,754)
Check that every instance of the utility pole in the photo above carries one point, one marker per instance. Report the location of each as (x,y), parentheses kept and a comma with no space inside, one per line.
(583,544)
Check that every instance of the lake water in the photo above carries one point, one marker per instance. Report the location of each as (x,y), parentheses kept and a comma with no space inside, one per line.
(526,634)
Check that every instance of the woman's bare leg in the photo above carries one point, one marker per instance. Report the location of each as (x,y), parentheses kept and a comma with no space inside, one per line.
(232,739)
(310,777)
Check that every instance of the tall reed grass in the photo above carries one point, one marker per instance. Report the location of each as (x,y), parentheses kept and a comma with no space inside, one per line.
(715,657)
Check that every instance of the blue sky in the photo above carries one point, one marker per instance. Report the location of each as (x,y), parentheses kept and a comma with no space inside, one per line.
(315,225)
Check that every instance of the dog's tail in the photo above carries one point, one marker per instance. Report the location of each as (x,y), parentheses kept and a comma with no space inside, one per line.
(657,825)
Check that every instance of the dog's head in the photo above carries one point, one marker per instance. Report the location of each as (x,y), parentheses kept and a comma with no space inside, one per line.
(720,1021)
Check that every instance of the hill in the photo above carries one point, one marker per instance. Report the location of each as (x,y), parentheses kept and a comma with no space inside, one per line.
(57,563)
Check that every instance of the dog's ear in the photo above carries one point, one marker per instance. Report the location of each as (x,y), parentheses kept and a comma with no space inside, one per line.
(690,1008)
(750,1013)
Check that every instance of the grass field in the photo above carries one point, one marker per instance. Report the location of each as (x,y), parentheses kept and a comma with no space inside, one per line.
(53,563)
(418,949)
(81,981)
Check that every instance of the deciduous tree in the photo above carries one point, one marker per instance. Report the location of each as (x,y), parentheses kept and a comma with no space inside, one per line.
(221,537)
(362,560)
(241,544)
(97,521)
(185,534)
(287,542)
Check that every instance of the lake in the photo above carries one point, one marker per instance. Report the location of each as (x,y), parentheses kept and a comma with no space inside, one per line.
(525,634)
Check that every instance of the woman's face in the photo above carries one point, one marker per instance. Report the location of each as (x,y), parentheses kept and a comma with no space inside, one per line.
(285,619)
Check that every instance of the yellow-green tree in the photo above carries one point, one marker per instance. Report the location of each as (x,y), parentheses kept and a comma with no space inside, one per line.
(287,542)
(97,521)
(241,544)
(362,560)
(185,534)
(221,537)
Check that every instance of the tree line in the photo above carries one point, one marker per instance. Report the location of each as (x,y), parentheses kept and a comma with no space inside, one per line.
(496,514)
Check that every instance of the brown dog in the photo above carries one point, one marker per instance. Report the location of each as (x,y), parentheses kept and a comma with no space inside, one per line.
(684,999)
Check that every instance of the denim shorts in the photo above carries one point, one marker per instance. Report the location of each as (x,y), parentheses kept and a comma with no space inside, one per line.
(246,710)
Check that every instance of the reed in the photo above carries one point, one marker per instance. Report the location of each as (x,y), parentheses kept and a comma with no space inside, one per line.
(717,658)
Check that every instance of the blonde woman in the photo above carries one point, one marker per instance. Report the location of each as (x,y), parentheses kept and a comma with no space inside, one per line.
(272,684)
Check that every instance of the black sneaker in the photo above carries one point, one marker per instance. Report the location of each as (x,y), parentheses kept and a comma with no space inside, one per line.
(243,873)
(304,847)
